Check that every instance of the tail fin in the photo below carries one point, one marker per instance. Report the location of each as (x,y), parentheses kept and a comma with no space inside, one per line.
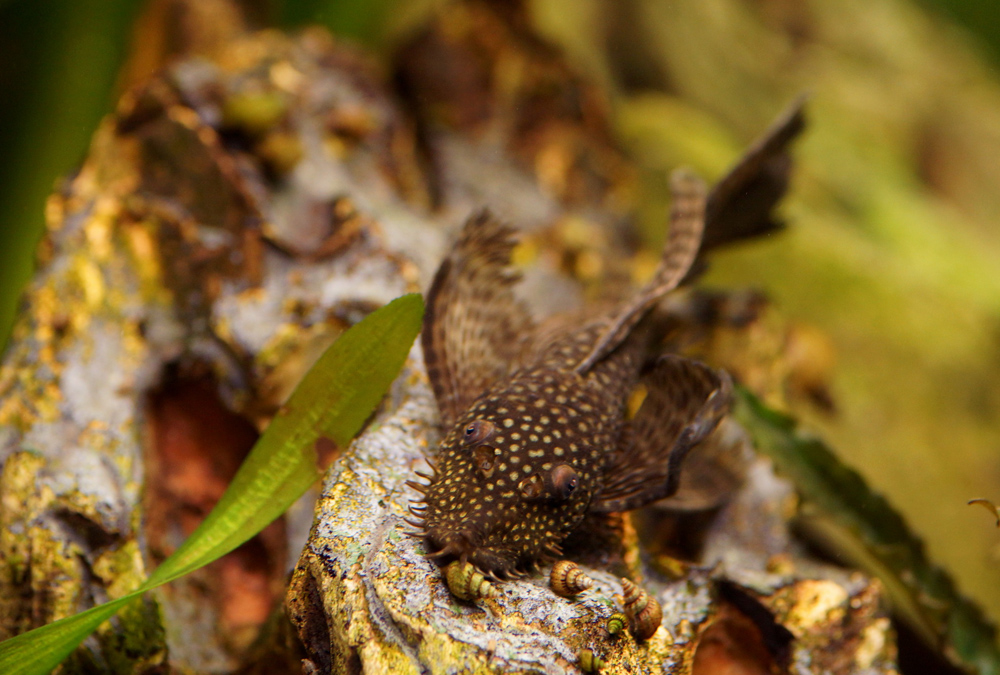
(740,205)
(687,222)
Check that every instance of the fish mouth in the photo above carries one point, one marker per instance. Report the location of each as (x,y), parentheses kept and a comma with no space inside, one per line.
(464,547)
(495,563)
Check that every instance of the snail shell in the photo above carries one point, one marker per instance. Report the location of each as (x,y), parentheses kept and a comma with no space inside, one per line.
(590,662)
(567,579)
(468,583)
(616,623)
(643,611)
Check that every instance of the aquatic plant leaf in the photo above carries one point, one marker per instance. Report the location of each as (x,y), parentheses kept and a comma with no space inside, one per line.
(842,514)
(60,63)
(333,400)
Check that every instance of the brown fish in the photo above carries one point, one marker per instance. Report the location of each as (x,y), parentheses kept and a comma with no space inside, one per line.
(536,416)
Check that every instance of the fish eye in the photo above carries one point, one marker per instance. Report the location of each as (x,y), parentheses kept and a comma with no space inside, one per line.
(478,431)
(564,481)
(556,485)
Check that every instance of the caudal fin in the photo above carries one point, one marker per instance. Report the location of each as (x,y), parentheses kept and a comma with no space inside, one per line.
(687,223)
(741,204)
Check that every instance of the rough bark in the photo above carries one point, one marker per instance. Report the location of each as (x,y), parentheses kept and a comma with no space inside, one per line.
(233,216)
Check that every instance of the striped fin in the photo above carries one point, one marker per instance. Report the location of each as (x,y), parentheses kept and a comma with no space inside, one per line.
(684,404)
(687,222)
(474,328)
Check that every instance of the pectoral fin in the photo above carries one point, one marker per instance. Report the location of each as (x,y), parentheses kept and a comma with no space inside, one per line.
(687,221)
(684,404)
(714,472)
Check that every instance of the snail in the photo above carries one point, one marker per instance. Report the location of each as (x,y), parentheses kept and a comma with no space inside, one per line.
(468,583)
(616,623)
(643,611)
(590,662)
(567,579)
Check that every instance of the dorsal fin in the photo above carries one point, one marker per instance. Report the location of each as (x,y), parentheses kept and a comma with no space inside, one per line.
(474,328)
(740,206)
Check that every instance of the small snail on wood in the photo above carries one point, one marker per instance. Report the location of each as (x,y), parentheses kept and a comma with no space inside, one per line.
(468,583)
(616,623)
(590,662)
(643,611)
(567,579)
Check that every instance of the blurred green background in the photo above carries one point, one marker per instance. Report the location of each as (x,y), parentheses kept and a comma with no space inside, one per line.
(895,249)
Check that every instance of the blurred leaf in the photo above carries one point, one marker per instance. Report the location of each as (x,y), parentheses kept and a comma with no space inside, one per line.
(846,518)
(333,400)
(58,62)
(361,20)
(979,17)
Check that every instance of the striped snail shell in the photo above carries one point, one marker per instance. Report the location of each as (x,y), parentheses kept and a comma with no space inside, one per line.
(590,662)
(468,583)
(567,579)
(616,623)
(643,611)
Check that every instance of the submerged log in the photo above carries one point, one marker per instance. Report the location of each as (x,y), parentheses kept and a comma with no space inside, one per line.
(222,232)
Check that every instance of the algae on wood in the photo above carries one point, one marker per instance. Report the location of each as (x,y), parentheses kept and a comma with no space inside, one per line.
(169,317)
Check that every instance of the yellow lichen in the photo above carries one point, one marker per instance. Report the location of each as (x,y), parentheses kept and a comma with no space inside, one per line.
(47,403)
(873,643)
(91,281)
(17,484)
(95,438)
(121,569)
(133,342)
(144,249)
(14,412)
(815,602)
(99,227)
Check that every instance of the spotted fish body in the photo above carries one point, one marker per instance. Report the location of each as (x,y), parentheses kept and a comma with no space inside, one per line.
(491,502)
(537,435)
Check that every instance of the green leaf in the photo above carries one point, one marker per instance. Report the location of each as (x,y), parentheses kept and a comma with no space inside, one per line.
(843,515)
(333,400)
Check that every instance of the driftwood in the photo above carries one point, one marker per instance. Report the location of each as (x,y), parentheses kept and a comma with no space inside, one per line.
(233,216)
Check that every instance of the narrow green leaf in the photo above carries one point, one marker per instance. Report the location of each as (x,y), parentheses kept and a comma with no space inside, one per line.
(333,400)
(844,515)
(39,651)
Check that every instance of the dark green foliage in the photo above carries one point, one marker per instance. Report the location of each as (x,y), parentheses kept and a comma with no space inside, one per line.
(58,64)
(843,515)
